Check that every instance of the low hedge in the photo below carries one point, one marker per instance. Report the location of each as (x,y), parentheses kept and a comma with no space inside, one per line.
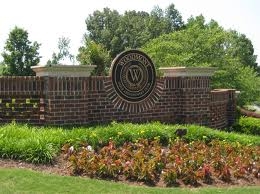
(248,125)
(42,144)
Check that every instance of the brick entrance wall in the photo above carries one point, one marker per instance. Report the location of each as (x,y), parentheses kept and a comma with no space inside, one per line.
(222,108)
(20,100)
(84,100)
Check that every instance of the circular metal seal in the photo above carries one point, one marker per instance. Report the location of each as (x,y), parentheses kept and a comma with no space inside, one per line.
(133,75)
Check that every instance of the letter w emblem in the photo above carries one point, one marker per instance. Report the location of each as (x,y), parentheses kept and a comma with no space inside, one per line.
(135,74)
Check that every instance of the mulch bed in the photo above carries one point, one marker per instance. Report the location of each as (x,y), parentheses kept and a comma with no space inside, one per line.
(60,166)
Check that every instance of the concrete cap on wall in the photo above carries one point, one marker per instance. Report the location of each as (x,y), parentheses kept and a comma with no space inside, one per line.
(63,70)
(187,71)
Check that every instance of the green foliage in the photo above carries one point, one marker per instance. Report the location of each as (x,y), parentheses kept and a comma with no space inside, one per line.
(63,54)
(147,161)
(20,54)
(102,27)
(131,29)
(22,142)
(241,48)
(95,54)
(41,145)
(242,78)
(123,132)
(2,66)
(209,45)
(197,45)
(174,17)
(248,125)
(33,144)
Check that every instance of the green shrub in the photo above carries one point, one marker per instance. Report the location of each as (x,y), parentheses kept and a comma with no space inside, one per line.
(28,144)
(42,144)
(248,125)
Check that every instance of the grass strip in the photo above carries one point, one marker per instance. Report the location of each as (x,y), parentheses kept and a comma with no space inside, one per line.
(27,181)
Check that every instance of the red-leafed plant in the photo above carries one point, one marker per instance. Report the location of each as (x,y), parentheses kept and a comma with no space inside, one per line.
(150,162)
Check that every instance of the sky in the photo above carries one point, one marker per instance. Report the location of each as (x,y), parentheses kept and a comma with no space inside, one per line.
(48,20)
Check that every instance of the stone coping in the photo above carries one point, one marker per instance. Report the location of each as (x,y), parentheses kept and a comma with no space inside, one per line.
(187,71)
(63,70)
(222,90)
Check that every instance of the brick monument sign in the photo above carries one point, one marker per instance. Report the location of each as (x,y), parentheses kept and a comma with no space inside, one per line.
(132,93)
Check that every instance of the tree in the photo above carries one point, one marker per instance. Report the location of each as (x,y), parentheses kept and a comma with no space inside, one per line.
(63,54)
(95,54)
(242,78)
(174,17)
(20,54)
(197,45)
(157,18)
(208,44)
(132,29)
(241,47)
(2,66)
(103,28)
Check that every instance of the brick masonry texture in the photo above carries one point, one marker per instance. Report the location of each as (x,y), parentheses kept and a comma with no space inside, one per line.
(90,100)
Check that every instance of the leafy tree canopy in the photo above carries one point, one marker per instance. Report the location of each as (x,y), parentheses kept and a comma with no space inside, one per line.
(63,54)
(95,54)
(2,66)
(208,44)
(20,54)
(132,29)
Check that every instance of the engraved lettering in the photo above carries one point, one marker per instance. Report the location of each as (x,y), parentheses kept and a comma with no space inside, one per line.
(133,76)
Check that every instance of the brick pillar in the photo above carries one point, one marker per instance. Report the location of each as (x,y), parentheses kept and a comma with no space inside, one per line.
(195,100)
(231,107)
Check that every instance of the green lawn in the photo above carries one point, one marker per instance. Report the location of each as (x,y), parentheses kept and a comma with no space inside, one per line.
(26,181)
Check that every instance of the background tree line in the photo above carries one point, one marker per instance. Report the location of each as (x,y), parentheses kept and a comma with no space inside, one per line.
(209,45)
(109,33)
(163,35)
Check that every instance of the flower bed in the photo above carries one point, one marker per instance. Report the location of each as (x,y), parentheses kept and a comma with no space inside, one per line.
(149,162)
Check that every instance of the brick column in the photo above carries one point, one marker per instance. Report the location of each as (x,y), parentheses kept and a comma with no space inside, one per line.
(231,107)
(195,100)
(193,87)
